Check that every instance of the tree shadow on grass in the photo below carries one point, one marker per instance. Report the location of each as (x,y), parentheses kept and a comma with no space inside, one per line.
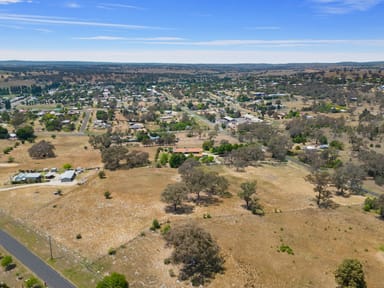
(10,267)
(185,209)
(328,204)
(208,201)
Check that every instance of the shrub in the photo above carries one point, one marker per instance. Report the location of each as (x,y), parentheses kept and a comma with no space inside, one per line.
(6,262)
(101,174)
(207,216)
(67,166)
(33,283)
(370,204)
(155,225)
(258,211)
(285,248)
(107,195)
(7,150)
(165,229)
(113,280)
(111,251)
(78,236)
(337,145)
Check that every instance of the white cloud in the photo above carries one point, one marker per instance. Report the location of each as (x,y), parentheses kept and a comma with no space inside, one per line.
(276,43)
(43,30)
(344,6)
(66,21)
(5,2)
(73,5)
(177,41)
(192,56)
(12,27)
(140,39)
(111,6)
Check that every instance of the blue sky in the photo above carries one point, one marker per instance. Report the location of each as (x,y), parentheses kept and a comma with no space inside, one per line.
(193,31)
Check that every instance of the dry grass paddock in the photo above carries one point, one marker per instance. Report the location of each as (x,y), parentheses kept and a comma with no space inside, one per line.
(320,238)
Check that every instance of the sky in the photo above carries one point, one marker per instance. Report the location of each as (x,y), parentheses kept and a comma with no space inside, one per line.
(193,31)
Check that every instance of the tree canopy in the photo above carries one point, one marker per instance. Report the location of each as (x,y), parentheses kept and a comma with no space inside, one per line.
(248,189)
(350,274)
(174,194)
(25,133)
(321,180)
(4,133)
(196,250)
(112,156)
(41,150)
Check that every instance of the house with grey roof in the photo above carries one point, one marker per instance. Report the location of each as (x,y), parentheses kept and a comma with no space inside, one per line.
(68,176)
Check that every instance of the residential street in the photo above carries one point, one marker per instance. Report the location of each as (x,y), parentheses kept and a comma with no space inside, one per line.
(52,278)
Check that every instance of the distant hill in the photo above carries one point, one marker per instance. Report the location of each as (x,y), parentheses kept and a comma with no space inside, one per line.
(16,65)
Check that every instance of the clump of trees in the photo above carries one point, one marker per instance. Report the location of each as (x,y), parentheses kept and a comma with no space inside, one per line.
(348,178)
(196,180)
(350,274)
(277,143)
(42,150)
(245,156)
(113,158)
(373,164)
(117,156)
(196,251)
(200,180)
(100,141)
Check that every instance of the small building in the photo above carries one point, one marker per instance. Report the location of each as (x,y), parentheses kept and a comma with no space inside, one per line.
(12,136)
(50,175)
(68,176)
(27,178)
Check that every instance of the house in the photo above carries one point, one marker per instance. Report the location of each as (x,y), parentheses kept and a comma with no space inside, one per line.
(228,119)
(188,151)
(137,126)
(68,176)
(26,178)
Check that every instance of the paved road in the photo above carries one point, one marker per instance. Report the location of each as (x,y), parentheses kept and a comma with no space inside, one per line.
(85,121)
(34,263)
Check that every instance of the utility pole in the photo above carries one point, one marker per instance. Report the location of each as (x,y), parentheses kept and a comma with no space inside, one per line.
(50,246)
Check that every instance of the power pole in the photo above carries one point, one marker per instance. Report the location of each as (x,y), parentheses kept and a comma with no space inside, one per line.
(50,246)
